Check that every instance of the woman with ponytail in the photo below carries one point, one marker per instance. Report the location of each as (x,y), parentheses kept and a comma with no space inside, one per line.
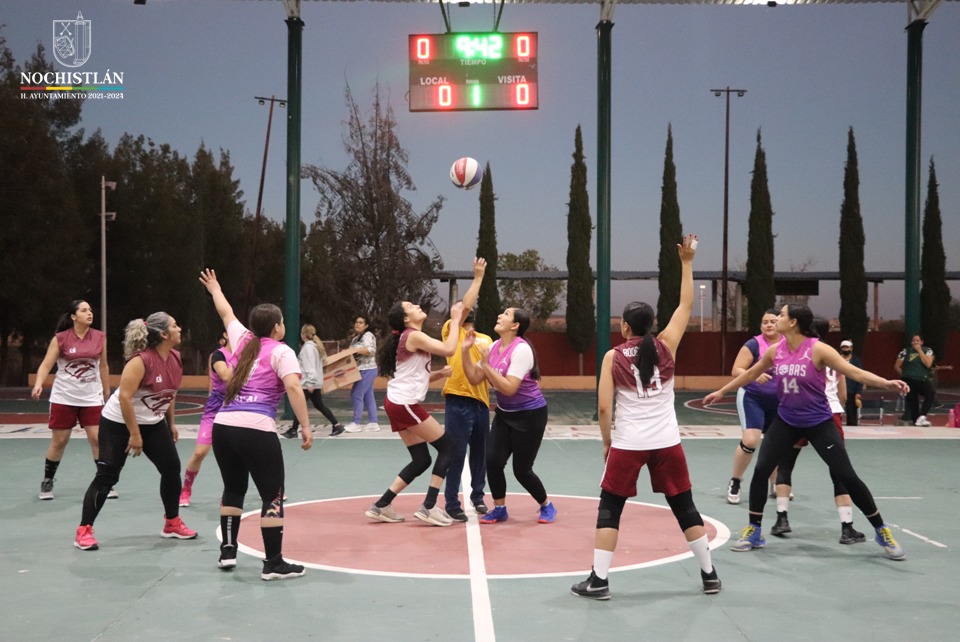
(79,389)
(405,357)
(139,419)
(510,366)
(311,357)
(800,361)
(637,378)
(245,441)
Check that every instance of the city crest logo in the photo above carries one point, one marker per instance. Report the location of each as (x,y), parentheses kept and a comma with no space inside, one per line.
(71,41)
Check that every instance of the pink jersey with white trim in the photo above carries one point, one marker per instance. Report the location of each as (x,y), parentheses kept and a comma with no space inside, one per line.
(645,416)
(801,388)
(78,380)
(411,380)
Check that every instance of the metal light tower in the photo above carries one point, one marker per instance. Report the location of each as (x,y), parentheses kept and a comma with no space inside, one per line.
(104,217)
(726,203)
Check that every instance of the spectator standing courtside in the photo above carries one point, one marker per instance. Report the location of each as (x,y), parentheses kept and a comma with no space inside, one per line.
(854,388)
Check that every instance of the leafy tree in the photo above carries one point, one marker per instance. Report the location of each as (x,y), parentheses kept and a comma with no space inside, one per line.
(581,314)
(934,292)
(382,246)
(671,231)
(540,297)
(758,285)
(853,277)
(488,303)
(42,254)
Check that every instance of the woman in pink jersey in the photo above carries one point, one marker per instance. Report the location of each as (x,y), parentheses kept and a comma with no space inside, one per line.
(405,357)
(637,378)
(799,361)
(79,389)
(219,369)
(520,420)
(138,418)
(245,440)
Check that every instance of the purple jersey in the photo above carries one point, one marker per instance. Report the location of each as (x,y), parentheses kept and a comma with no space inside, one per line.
(528,395)
(262,390)
(218,387)
(801,388)
(758,346)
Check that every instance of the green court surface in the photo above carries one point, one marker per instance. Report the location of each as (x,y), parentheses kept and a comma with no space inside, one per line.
(138,586)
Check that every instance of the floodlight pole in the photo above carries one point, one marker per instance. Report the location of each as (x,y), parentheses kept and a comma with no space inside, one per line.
(604,54)
(291,302)
(104,217)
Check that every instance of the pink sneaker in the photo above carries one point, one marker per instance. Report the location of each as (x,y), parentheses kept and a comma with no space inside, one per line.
(84,540)
(176,528)
(185,497)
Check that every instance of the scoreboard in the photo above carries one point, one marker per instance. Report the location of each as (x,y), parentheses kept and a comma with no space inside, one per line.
(473,71)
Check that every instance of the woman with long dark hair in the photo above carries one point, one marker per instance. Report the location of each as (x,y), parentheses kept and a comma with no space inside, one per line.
(799,361)
(510,366)
(637,377)
(82,384)
(138,418)
(245,440)
(405,357)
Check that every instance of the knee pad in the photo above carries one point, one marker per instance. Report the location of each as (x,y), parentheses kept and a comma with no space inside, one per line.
(419,462)
(746,448)
(107,475)
(684,510)
(610,510)
(232,500)
(444,446)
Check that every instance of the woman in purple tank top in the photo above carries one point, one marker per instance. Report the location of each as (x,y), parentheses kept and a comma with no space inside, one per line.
(799,361)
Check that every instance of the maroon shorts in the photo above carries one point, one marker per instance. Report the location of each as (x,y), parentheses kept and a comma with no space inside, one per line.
(403,416)
(66,417)
(837,421)
(668,471)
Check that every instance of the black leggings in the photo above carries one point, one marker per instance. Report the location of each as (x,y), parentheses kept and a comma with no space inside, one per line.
(919,388)
(785,473)
(825,439)
(519,434)
(243,453)
(159,448)
(316,398)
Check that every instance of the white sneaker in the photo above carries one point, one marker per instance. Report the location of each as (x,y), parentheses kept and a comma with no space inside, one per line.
(922,421)
(436,516)
(733,491)
(113,494)
(372,427)
(352,427)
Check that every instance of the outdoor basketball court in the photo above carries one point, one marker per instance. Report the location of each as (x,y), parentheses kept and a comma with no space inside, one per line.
(373,581)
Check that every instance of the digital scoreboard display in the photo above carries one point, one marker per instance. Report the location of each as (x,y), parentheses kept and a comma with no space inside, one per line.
(473,71)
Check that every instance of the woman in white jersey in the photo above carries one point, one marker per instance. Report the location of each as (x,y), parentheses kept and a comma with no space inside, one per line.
(245,440)
(405,358)
(139,419)
(79,389)
(637,378)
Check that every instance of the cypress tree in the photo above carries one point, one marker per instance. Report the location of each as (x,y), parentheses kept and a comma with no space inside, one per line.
(671,232)
(934,291)
(581,317)
(488,306)
(853,278)
(759,287)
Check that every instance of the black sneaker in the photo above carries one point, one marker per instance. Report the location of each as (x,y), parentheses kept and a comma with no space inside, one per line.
(228,558)
(480,507)
(733,491)
(289,434)
(457,515)
(850,535)
(276,568)
(711,583)
(336,430)
(592,587)
(782,527)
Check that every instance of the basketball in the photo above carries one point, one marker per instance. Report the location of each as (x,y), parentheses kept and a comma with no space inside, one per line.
(466,173)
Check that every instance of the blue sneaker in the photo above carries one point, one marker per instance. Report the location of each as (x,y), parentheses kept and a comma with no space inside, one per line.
(498,514)
(749,539)
(548,514)
(891,550)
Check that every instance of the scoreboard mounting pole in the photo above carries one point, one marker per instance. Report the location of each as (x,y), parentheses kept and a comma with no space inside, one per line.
(473,71)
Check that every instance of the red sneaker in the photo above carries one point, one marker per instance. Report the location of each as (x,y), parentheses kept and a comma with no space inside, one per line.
(177,529)
(84,540)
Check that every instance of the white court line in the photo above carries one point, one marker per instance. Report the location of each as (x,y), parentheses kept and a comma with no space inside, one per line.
(479,587)
(921,537)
